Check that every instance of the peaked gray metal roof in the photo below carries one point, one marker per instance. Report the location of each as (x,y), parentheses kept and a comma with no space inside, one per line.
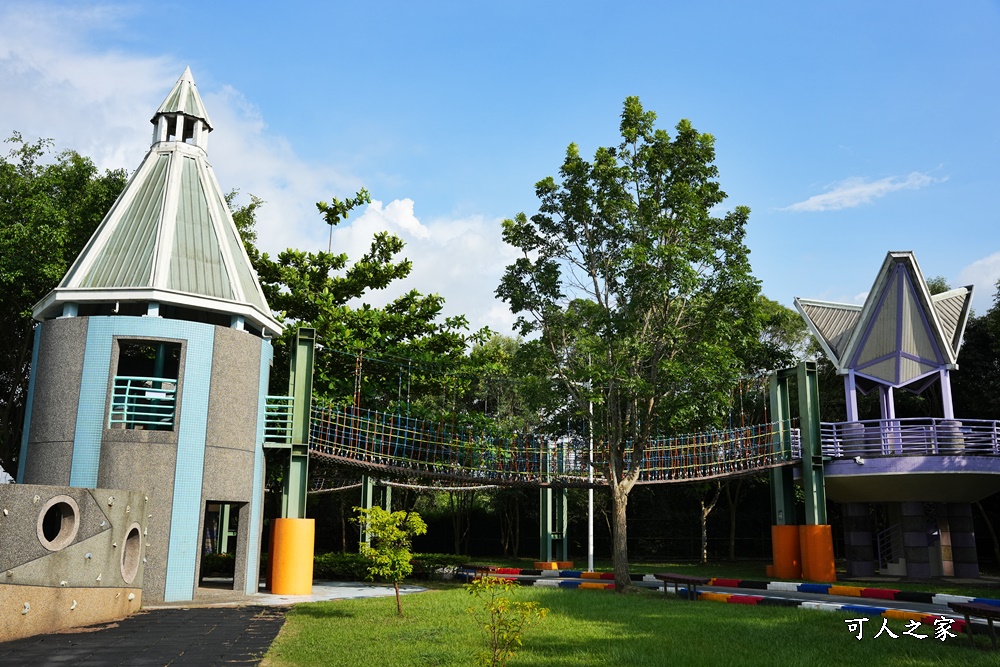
(900,334)
(170,237)
(952,309)
(184,98)
(832,323)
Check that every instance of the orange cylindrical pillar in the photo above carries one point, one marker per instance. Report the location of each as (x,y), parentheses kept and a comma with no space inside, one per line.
(816,544)
(787,554)
(291,558)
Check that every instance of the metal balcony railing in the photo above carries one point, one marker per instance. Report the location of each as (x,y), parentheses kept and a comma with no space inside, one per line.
(144,403)
(278,419)
(911,437)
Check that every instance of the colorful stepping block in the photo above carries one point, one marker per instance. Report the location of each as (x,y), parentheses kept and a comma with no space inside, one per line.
(847,591)
(879,593)
(726,583)
(744,599)
(813,588)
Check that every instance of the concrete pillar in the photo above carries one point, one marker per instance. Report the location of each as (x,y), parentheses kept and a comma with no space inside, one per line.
(915,542)
(858,540)
(963,540)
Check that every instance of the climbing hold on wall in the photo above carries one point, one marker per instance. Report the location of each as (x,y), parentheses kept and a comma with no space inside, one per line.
(145,531)
(63,583)
(89,555)
(10,573)
(111,501)
(128,509)
(98,577)
(131,596)
(114,544)
(27,608)
(73,606)
(5,512)
(146,498)
(36,499)
(103,523)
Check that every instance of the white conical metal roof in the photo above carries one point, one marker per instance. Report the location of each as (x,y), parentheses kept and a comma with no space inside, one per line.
(170,238)
(184,98)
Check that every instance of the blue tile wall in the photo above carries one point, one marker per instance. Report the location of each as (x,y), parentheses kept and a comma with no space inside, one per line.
(27,407)
(192,417)
(90,413)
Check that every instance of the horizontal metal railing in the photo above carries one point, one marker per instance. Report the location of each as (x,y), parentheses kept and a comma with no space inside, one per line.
(910,437)
(145,403)
(278,419)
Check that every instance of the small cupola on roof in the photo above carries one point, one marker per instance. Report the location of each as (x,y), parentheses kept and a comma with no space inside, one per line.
(169,245)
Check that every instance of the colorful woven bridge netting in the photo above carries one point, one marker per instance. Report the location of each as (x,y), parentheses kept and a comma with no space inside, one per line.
(399,444)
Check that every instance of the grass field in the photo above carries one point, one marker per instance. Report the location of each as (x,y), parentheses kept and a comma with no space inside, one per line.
(744,569)
(592,628)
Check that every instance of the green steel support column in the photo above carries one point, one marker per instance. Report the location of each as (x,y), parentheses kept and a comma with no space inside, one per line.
(223,529)
(782,479)
(300,381)
(812,454)
(562,521)
(367,502)
(545,523)
(553,514)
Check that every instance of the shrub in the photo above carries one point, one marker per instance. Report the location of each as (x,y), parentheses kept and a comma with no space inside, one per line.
(501,620)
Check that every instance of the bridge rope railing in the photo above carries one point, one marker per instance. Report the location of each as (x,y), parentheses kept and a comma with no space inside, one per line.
(397,443)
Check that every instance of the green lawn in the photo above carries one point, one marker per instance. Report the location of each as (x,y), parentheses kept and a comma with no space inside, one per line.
(598,628)
(754,570)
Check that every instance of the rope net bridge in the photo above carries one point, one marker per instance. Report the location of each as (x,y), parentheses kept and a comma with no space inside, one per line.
(398,445)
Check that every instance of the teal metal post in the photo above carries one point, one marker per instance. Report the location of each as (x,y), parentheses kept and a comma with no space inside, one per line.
(782,479)
(372,495)
(300,381)
(553,515)
(813,481)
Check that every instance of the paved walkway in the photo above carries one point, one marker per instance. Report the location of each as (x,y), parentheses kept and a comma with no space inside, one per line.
(216,629)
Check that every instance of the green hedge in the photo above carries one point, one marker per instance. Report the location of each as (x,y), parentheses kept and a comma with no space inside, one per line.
(352,567)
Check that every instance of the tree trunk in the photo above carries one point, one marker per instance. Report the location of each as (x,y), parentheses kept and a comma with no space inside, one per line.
(705,511)
(619,538)
(517,526)
(343,525)
(399,605)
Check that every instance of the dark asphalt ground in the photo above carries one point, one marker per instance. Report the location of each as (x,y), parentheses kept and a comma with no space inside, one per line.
(177,637)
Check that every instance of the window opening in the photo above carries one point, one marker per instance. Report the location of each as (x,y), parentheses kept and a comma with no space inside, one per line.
(144,396)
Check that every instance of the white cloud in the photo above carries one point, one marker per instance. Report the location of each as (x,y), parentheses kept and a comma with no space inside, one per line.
(99,103)
(853,192)
(984,274)
(461,259)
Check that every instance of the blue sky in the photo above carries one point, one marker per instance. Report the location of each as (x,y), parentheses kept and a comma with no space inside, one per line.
(849,128)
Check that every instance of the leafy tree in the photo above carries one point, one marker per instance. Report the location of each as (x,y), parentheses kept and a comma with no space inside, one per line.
(389,554)
(322,290)
(49,207)
(641,298)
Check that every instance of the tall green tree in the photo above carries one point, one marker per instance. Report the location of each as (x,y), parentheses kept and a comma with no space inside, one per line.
(49,207)
(641,297)
(326,291)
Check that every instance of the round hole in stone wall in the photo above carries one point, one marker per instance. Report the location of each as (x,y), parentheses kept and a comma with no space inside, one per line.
(58,522)
(131,550)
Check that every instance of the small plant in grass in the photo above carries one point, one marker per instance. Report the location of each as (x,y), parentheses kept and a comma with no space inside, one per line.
(389,554)
(501,619)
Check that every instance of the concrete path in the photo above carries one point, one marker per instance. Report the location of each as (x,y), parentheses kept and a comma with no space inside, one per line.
(217,629)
